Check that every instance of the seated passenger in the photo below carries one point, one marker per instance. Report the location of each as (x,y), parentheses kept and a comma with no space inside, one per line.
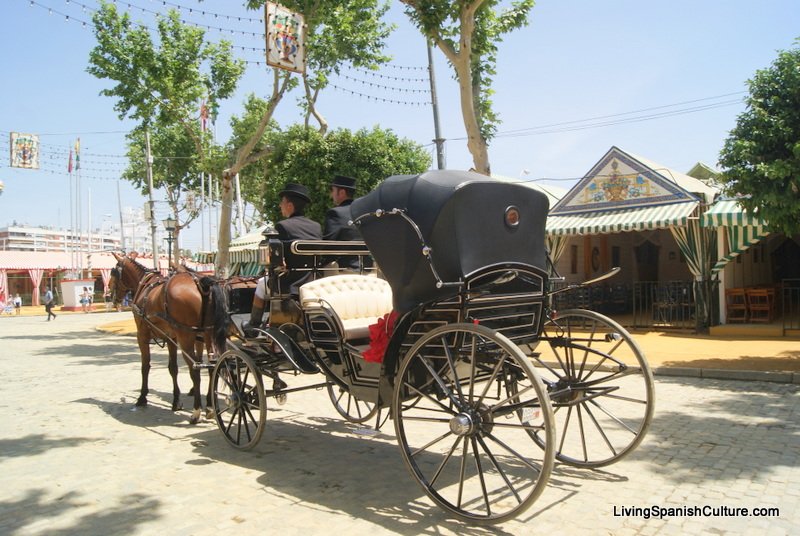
(337,219)
(294,198)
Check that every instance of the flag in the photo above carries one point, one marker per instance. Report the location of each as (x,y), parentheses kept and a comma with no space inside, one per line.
(69,165)
(78,154)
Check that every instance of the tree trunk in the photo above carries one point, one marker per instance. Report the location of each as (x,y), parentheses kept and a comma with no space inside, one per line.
(221,262)
(243,157)
(475,142)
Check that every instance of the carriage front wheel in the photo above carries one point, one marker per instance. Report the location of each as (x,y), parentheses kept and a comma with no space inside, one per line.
(240,403)
(465,402)
(600,384)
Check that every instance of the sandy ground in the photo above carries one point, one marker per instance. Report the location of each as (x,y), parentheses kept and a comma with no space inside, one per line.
(673,350)
(663,349)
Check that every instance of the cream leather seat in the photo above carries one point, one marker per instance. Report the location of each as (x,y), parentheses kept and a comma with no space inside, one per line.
(358,301)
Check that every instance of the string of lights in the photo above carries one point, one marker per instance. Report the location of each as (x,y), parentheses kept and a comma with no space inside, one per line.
(190,11)
(131,7)
(368,72)
(260,50)
(378,99)
(383,86)
(86,24)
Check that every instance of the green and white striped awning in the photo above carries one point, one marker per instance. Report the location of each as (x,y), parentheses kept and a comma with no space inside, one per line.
(234,255)
(617,221)
(243,249)
(727,212)
(742,229)
(740,238)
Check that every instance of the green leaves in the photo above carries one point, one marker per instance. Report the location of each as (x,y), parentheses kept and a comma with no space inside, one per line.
(761,157)
(303,155)
(468,32)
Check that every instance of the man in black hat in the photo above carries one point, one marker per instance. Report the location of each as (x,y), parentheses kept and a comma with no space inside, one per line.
(294,198)
(295,226)
(337,219)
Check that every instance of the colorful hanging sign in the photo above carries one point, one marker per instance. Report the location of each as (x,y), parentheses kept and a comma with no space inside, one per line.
(285,32)
(24,150)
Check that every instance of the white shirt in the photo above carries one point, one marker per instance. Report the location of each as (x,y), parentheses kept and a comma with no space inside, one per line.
(261,288)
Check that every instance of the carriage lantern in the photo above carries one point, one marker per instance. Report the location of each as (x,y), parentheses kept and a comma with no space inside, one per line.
(169,225)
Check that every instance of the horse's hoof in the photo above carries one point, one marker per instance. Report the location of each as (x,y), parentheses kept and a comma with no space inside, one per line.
(142,402)
(210,415)
(195,418)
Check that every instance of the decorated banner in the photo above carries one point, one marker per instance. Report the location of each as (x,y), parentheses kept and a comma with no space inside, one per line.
(285,38)
(24,150)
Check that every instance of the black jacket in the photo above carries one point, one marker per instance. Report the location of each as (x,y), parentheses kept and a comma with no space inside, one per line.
(337,227)
(296,228)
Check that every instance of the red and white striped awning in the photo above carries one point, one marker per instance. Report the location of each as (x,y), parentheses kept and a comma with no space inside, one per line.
(53,260)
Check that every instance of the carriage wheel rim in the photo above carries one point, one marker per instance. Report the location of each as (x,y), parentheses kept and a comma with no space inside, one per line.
(474,435)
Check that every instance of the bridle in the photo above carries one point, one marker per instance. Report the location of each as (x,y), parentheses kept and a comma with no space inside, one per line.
(116,273)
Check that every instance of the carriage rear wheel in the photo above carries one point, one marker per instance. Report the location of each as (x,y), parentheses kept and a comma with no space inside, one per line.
(464,438)
(348,406)
(240,403)
(600,384)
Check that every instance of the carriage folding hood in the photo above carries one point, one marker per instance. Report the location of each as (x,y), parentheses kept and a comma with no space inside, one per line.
(461,216)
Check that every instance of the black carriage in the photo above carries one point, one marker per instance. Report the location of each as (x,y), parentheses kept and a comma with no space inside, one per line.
(486,385)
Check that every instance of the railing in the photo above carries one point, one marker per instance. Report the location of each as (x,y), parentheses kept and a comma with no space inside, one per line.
(664,305)
(790,299)
(648,304)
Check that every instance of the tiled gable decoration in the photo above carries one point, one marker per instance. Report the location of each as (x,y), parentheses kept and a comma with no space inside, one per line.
(619,181)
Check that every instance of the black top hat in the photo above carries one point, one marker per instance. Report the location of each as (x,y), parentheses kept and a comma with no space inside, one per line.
(295,190)
(348,183)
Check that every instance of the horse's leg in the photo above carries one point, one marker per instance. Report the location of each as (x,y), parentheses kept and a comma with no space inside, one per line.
(143,338)
(187,344)
(198,351)
(173,371)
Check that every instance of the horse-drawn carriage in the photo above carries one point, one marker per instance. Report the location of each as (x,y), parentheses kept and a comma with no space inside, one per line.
(486,385)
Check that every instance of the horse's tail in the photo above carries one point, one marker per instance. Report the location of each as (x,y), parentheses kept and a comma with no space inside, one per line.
(219,314)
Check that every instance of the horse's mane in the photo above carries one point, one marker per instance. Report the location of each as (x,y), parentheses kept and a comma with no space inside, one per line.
(140,266)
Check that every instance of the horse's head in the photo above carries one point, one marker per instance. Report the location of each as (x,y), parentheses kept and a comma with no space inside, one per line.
(125,276)
(115,282)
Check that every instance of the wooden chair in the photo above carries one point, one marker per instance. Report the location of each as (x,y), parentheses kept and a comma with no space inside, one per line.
(735,305)
(760,304)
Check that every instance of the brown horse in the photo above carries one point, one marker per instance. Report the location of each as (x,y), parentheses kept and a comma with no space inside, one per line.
(182,311)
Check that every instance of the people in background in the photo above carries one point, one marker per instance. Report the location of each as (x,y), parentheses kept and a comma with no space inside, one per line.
(86,299)
(49,302)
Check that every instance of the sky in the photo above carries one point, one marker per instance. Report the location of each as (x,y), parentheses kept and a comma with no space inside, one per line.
(663,80)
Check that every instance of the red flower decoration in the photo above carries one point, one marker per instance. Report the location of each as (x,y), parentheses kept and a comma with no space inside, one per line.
(379,334)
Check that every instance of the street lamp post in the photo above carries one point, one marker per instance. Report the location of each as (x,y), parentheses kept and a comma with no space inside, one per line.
(169,226)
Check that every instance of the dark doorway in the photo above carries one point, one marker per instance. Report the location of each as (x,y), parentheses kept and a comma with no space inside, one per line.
(647,261)
(786,261)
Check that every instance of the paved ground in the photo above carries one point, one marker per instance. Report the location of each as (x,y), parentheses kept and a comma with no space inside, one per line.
(75,458)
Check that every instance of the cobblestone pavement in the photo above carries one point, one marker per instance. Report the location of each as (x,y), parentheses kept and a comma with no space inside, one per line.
(75,458)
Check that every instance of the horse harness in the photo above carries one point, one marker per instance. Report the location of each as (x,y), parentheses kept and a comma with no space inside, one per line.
(153,280)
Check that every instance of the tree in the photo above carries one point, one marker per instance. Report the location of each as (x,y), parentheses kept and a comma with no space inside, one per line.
(468,32)
(305,156)
(160,83)
(178,175)
(761,156)
(338,32)
(253,177)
